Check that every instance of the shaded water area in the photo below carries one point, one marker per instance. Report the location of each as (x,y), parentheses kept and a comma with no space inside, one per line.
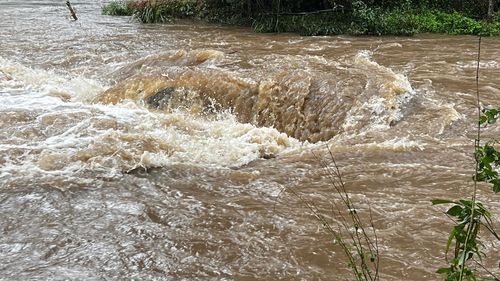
(102,179)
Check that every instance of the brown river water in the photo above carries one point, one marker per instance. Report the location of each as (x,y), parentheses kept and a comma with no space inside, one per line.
(96,183)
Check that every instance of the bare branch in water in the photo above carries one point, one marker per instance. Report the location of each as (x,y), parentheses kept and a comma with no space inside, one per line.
(71,10)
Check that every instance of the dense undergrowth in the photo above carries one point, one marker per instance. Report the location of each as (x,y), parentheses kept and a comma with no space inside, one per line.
(356,17)
(383,23)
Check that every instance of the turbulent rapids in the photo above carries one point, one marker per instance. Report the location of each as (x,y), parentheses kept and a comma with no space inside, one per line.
(166,152)
(184,107)
(306,105)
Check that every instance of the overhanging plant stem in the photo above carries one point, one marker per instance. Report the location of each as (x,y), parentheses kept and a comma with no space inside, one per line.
(476,145)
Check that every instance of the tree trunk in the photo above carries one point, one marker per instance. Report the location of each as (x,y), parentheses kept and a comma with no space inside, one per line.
(249,8)
(457,5)
(491,9)
(325,5)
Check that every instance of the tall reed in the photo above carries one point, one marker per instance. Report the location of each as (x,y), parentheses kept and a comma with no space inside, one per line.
(357,239)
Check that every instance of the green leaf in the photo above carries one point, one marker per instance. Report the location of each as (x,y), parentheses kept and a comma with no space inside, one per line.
(489,116)
(443,270)
(455,211)
(466,203)
(496,185)
(461,258)
(442,201)
(490,173)
(480,177)
(489,158)
(464,256)
(454,234)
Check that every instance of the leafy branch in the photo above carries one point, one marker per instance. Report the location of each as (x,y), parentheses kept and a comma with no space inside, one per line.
(470,215)
(489,116)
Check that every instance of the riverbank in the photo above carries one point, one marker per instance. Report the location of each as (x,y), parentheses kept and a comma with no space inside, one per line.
(356,20)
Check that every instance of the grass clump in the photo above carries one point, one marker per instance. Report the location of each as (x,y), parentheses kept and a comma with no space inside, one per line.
(152,11)
(116,8)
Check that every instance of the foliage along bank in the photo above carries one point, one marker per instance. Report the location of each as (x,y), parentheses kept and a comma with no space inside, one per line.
(326,17)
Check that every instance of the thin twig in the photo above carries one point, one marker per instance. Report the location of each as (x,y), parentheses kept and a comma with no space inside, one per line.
(376,243)
(489,227)
(476,145)
(359,238)
(351,204)
(485,269)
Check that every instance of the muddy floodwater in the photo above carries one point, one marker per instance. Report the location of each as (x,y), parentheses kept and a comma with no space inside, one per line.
(168,152)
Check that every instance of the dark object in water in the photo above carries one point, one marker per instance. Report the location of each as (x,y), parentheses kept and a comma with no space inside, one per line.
(267,156)
(160,98)
(71,10)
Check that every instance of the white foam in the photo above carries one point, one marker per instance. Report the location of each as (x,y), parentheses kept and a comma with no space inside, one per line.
(393,92)
(388,46)
(63,137)
(491,64)
(47,82)
(395,144)
(49,129)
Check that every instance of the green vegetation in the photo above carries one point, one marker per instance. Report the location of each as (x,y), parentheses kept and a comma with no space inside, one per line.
(166,11)
(470,216)
(378,22)
(454,23)
(151,11)
(326,17)
(117,9)
(152,14)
